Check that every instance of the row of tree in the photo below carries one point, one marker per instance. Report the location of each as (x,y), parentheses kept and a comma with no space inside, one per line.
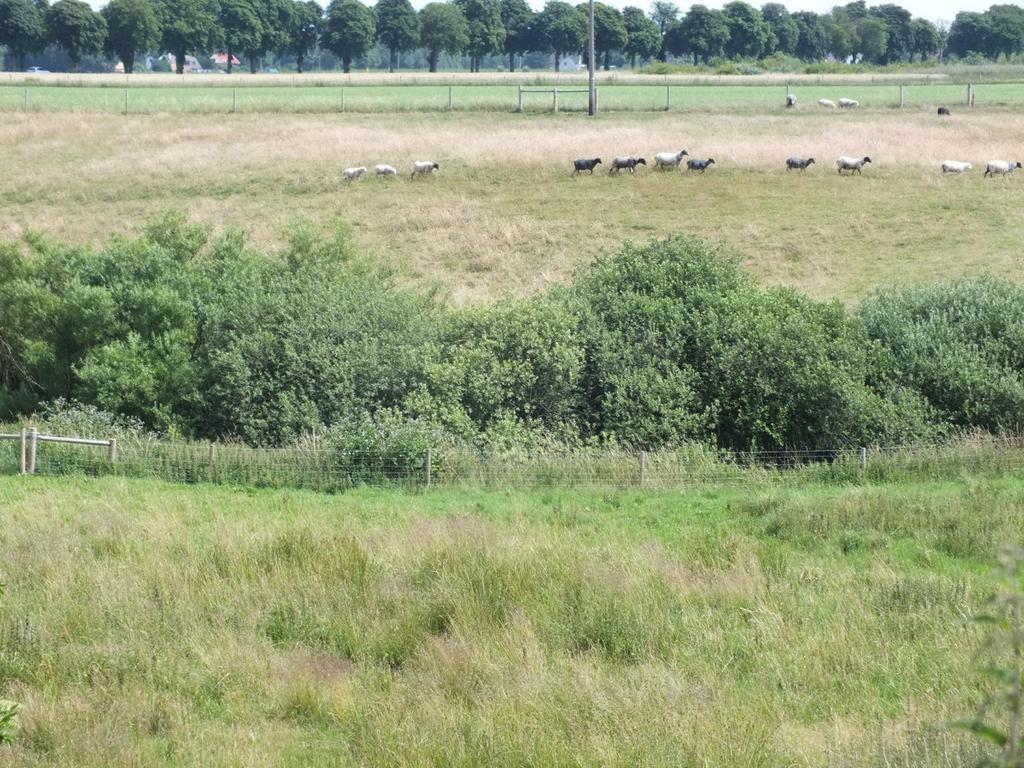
(349,29)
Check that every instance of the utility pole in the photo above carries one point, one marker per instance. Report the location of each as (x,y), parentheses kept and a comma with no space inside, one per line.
(590,64)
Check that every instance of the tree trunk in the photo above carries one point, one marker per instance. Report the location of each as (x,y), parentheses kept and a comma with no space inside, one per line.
(179,62)
(392,59)
(632,61)
(252,64)
(230,57)
(511,62)
(298,62)
(607,60)
(129,62)
(433,59)
(346,65)
(558,60)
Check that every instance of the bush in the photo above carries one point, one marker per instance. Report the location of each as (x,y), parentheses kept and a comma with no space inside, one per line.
(684,346)
(513,363)
(960,345)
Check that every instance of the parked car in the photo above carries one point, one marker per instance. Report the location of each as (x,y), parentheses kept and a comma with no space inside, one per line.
(37,70)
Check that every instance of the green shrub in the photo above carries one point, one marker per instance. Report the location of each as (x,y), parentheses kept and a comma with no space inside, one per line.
(961,345)
(684,346)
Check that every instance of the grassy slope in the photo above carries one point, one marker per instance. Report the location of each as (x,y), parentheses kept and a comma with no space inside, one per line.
(150,624)
(505,217)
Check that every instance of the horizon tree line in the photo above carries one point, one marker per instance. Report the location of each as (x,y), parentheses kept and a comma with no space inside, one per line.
(350,29)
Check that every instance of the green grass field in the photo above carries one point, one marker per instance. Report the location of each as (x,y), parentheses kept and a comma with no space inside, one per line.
(218,96)
(146,624)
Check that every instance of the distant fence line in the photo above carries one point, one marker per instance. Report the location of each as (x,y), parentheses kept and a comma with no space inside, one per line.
(139,98)
(325,469)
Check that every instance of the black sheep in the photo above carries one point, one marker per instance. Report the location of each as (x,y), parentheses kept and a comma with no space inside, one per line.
(585,165)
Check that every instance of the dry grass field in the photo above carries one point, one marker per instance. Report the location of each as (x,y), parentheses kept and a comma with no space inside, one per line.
(504,216)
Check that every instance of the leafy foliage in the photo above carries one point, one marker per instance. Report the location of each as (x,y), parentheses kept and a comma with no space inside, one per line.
(77,28)
(398,28)
(350,30)
(657,345)
(132,25)
(188,26)
(22,28)
(961,345)
(443,27)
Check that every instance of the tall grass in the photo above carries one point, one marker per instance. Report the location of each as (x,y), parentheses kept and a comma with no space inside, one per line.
(145,625)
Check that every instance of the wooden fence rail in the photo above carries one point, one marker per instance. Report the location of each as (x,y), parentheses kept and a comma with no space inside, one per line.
(30,439)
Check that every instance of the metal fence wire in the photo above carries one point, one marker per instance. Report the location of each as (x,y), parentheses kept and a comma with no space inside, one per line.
(329,470)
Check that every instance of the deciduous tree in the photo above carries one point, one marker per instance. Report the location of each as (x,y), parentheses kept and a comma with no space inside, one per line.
(350,30)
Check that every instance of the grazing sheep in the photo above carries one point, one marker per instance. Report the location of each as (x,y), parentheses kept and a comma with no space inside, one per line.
(667,160)
(585,164)
(944,111)
(385,170)
(851,164)
(354,173)
(955,166)
(849,103)
(799,163)
(628,161)
(826,103)
(424,166)
(696,164)
(790,99)
(1000,168)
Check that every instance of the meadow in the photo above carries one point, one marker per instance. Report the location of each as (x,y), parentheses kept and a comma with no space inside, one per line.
(504,217)
(149,625)
(225,96)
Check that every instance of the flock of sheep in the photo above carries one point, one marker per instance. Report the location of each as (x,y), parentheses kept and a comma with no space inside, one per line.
(419,168)
(667,161)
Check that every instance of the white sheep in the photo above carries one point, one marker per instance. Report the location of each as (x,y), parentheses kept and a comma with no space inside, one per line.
(385,170)
(849,103)
(827,103)
(354,173)
(851,164)
(955,166)
(424,166)
(669,160)
(1000,168)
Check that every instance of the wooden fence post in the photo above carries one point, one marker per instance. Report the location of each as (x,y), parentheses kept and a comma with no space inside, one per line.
(343,98)
(126,101)
(520,107)
(863,460)
(112,450)
(555,92)
(234,99)
(449,98)
(24,103)
(668,97)
(643,468)
(211,460)
(21,458)
(33,443)
(970,94)
(430,465)
(901,96)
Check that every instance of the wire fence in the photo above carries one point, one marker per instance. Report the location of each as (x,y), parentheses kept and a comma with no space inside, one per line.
(330,470)
(382,99)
